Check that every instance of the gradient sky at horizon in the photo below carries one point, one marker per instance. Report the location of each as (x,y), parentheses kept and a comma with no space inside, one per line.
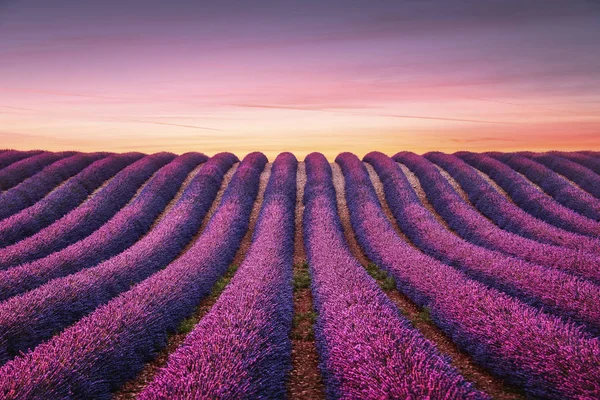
(300,76)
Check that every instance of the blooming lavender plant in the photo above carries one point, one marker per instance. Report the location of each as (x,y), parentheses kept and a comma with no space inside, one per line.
(103,350)
(9,157)
(586,160)
(552,183)
(116,235)
(367,349)
(241,348)
(86,218)
(529,198)
(582,176)
(33,189)
(512,339)
(544,288)
(471,225)
(504,213)
(63,199)
(17,172)
(37,315)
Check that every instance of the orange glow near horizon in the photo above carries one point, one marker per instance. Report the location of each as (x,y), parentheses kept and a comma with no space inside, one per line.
(332,81)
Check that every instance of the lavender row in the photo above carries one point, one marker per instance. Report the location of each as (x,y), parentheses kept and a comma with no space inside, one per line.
(12,156)
(529,198)
(367,349)
(552,183)
(84,220)
(471,225)
(120,232)
(63,199)
(17,172)
(544,288)
(587,179)
(505,214)
(585,160)
(33,189)
(28,319)
(103,350)
(241,348)
(510,338)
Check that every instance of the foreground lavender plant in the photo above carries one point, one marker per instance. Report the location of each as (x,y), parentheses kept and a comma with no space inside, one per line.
(63,199)
(549,358)
(241,348)
(86,218)
(529,198)
(505,214)
(473,226)
(367,349)
(102,351)
(116,235)
(27,320)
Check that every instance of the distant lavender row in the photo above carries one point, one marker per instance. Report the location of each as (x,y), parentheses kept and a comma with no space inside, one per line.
(17,172)
(582,176)
(241,349)
(473,226)
(102,351)
(505,214)
(33,189)
(11,156)
(529,198)
(63,199)
(88,217)
(512,339)
(542,287)
(120,232)
(367,349)
(27,320)
(552,183)
(585,160)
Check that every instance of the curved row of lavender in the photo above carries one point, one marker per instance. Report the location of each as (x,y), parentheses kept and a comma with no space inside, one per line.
(102,351)
(367,349)
(529,198)
(17,172)
(241,348)
(115,236)
(84,220)
(35,188)
(465,220)
(552,183)
(9,157)
(585,160)
(583,177)
(542,287)
(27,320)
(504,213)
(510,338)
(63,199)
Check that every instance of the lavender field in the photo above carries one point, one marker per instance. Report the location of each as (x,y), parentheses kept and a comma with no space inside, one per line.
(163,276)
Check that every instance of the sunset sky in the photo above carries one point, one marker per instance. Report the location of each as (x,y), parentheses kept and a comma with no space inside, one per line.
(301,76)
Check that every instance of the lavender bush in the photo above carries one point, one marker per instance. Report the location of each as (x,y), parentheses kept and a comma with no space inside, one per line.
(27,320)
(103,350)
(63,199)
(241,348)
(88,217)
